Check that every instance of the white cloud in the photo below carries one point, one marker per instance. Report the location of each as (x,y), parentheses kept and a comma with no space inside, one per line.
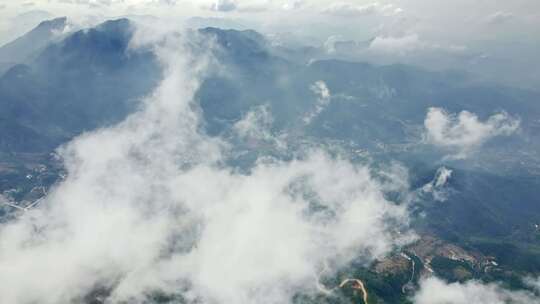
(92,2)
(247,7)
(222,6)
(442,176)
(534,283)
(345,9)
(397,44)
(464,133)
(411,43)
(255,128)
(499,17)
(150,204)
(255,124)
(437,186)
(293,4)
(436,291)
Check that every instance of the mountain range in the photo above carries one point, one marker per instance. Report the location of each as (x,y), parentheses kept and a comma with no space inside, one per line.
(489,207)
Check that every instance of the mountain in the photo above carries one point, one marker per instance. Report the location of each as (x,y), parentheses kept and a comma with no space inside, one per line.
(376,108)
(370,105)
(486,211)
(45,98)
(491,208)
(23,48)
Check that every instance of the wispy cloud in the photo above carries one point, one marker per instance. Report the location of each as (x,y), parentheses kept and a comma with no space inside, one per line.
(437,186)
(323,100)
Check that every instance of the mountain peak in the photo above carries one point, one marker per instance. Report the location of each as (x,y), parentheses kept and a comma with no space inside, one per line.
(117,25)
(250,34)
(23,48)
(53,24)
(242,43)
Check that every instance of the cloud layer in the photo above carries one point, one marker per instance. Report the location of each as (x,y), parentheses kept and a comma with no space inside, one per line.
(436,291)
(150,205)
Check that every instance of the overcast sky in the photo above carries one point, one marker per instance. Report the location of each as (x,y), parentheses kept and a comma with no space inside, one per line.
(497,36)
(459,20)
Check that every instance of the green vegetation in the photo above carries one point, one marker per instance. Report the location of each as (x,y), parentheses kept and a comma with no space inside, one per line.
(452,270)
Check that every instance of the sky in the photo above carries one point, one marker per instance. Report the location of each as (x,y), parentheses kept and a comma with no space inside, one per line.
(491,38)
(455,21)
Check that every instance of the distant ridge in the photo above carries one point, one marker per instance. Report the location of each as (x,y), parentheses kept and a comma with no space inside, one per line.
(23,48)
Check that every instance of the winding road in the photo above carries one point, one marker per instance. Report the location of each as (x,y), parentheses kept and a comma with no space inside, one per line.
(412,270)
(356,284)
